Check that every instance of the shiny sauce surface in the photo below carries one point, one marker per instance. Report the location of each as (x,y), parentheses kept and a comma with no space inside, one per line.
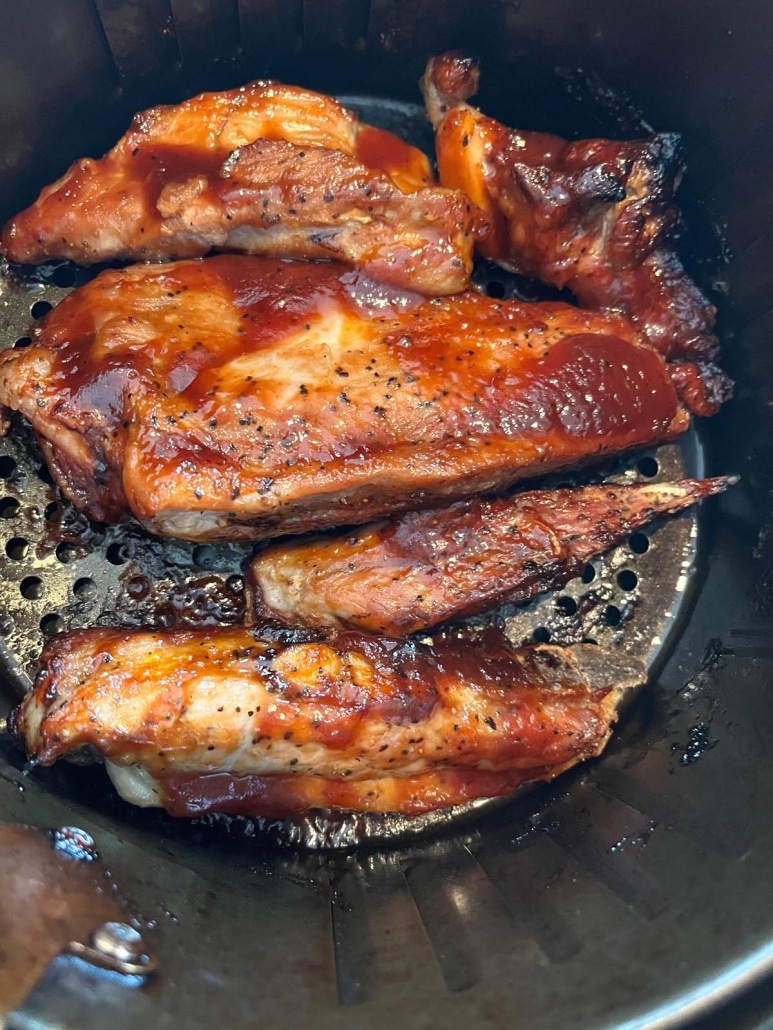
(382,150)
(279,797)
(512,369)
(232,379)
(419,722)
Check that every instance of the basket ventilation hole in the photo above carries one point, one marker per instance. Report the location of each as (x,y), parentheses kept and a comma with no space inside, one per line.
(22,342)
(84,589)
(52,511)
(40,308)
(52,624)
(203,556)
(17,548)
(566,605)
(116,555)
(495,289)
(66,552)
(64,276)
(32,588)
(648,467)
(235,584)
(9,507)
(612,615)
(639,543)
(7,466)
(627,579)
(588,574)
(45,475)
(542,635)
(138,588)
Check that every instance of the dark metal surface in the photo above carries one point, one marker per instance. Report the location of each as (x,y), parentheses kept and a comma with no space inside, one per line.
(635,893)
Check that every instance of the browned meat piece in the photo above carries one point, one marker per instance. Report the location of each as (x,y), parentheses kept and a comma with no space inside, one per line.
(596,216)
(240,398)
(225,721)
(423,568)
(265,169)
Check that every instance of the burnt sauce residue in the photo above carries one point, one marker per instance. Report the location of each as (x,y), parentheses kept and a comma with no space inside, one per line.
(699,741)
(692,718)
(169,596)
(121,576)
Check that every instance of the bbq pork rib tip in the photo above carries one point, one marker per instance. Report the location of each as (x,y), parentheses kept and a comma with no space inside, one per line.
(265,169)
(222,721)
(596,216)
(423,568)
(242,398)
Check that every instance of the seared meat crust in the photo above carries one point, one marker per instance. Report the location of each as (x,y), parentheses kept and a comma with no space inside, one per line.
(224,720)
(242,398)
(265,169)
(595,216)
(423,568)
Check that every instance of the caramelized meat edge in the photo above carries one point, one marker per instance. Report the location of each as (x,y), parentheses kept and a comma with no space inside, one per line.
(242,398)
(265,169)
(595,216)
(423,568)
(352,721)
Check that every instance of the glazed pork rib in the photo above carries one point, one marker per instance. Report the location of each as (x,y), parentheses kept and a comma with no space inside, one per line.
(423,568)
(242,398)
(265,169)
(596,216)
(226,721)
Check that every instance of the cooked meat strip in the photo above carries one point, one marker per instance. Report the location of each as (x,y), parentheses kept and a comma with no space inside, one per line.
(423,568)
(596,216)
(265,169)
(226,720)
(242,398)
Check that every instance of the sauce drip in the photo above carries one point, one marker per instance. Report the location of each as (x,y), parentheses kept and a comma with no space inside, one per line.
(246,386)
(277,797)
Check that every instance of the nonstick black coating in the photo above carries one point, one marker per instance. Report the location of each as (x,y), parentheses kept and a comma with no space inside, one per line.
(635,892)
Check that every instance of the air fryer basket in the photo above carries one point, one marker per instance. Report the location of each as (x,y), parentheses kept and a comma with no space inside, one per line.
(634,892)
